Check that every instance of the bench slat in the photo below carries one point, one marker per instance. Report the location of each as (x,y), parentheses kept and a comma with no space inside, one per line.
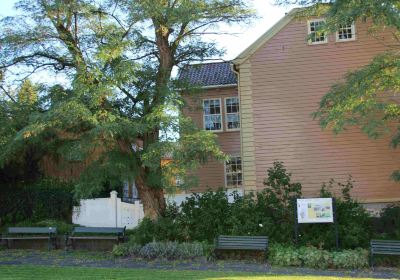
(242,242)
(93,237)
(32,230)
(24,237)
(98,230)
(385,247)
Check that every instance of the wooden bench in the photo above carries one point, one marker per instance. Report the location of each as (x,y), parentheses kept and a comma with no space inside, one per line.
(384,247)
(227,242)
(31,233)
(94,233)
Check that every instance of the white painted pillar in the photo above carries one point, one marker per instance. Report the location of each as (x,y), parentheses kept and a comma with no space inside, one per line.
(114,206)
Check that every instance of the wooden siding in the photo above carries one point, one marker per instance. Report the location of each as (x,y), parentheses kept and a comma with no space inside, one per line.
(247,132)
(212,174)
(283,82)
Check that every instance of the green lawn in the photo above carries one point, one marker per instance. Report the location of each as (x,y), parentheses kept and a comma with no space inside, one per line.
(47,272)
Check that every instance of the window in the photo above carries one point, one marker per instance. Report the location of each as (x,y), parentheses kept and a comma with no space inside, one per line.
(316,36)
(232,113)
(346,32)
(212,114)
(233,172)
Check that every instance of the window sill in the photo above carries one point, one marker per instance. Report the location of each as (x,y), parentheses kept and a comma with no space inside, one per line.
(317,44)
(345,41)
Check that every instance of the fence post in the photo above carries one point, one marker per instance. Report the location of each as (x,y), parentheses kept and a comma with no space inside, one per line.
(114,201)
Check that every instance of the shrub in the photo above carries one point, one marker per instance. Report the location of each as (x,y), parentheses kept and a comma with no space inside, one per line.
(317,258)
(284,256)
(270,212)
(45,199)
(350,259)
(127,249)
(171,250)
(120,250)
(389,222)
(162,250)
(144,233)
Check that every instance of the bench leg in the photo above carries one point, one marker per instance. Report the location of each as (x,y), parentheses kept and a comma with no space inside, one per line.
(372,261)
(66,243)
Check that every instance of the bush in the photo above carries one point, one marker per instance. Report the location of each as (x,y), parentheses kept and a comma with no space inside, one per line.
(46,199)
(317,258)
(350,259)
(389,223)
(270,212)
(120,250)
(162,250)
(284,256)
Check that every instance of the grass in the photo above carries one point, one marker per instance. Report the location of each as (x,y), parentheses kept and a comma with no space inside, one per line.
(50,272)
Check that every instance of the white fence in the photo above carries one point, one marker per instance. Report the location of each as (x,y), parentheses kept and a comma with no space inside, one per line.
(108,212)
(112,212)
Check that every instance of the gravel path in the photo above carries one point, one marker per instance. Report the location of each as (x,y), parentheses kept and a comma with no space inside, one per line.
(105,260)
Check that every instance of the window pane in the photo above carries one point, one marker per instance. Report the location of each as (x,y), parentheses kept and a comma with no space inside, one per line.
(234,172)
(232,113)
(316,35)
(345,32)
(212,114)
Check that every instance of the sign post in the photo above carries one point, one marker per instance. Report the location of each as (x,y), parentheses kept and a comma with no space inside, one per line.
(313,211)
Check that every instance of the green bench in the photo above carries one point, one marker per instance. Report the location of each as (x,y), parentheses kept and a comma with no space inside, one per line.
(227,242)
(31,233)
(94,233)
(384,247)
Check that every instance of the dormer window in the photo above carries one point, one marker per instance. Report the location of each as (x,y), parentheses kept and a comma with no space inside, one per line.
(346,32)
(315,33)
(212,117)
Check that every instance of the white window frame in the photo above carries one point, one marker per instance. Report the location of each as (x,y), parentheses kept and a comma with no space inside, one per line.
(353,32)
(226,114)
(225,173)
(220,113)
(310,42)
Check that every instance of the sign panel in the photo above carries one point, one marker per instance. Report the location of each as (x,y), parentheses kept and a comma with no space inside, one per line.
(314,210)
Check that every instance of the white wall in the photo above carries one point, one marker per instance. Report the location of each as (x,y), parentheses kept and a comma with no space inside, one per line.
(107,212)
(112,212)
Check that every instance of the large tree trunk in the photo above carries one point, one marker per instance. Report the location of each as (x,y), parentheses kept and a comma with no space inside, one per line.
(152,198)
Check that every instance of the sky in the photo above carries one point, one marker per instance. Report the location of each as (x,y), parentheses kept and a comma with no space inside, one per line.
(234,44)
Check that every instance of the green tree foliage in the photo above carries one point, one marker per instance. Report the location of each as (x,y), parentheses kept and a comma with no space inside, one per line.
(15,112)
(113,108)
(367,98)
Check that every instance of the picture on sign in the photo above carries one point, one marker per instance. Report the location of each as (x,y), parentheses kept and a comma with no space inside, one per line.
(314,210)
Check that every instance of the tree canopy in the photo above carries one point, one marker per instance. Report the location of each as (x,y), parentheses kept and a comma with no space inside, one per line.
(108,94)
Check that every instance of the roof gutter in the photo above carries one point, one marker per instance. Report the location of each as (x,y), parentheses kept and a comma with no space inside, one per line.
(219,86)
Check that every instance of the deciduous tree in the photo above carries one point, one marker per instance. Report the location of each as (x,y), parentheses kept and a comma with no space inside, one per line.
(112,108)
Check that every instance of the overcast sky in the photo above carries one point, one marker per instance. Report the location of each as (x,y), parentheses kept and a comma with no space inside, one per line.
(234,44)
